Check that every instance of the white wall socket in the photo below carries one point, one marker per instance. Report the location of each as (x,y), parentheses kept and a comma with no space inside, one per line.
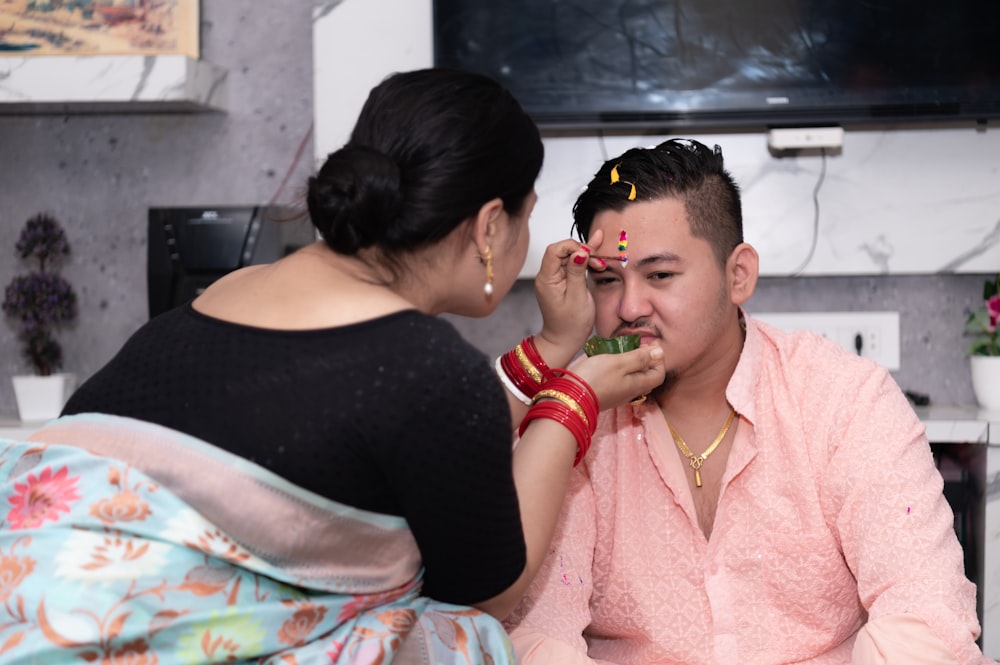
(878,331)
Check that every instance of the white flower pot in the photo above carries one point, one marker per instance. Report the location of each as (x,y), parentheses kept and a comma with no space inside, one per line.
(42,397)
(985,372)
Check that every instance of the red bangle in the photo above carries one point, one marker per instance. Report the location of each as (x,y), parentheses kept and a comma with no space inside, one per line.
(561,372)
(561,413)
(528,344)
(524,366)
(570,401)
(578,396)
(518,375)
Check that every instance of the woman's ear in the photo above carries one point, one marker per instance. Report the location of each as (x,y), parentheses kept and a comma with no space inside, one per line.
(485,225)
(742,271)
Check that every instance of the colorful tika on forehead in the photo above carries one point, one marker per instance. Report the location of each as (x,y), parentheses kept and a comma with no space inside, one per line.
(615,177)
(623,248)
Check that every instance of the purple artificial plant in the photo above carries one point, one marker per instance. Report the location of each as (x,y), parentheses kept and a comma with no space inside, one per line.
(41,300)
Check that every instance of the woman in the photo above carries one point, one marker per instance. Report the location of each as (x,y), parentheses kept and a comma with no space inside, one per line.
(305,464)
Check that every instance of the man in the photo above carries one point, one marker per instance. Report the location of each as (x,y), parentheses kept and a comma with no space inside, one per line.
(774,501)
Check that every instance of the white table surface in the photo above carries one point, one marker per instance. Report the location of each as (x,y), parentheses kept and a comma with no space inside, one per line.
(12,428)
(960,424)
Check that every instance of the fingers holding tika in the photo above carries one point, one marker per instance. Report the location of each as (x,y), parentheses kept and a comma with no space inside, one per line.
(564,301)
(571,257)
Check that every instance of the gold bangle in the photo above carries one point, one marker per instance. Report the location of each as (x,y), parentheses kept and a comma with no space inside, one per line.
(522,358)
(565,399)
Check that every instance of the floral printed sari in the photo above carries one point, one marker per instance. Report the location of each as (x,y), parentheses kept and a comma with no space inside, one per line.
(125,542)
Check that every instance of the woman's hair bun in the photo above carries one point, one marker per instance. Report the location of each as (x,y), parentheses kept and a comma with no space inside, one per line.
(354,198)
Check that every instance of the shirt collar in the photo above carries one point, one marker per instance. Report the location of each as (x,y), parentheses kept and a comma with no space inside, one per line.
(742,385)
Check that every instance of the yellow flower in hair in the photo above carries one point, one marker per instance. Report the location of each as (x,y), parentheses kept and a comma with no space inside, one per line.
(615,178)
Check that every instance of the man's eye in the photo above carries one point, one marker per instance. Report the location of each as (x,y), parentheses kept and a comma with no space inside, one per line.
(603,280)
(661,275)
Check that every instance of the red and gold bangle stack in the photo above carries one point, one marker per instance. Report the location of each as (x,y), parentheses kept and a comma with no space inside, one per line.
(567,399)
(524,366)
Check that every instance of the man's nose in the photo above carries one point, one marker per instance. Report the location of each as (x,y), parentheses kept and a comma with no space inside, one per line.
(634,304)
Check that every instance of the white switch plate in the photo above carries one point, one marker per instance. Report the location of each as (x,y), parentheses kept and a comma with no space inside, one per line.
(805,137)
(879,331)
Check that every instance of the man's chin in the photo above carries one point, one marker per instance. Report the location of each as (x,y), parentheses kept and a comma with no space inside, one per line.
(668,382)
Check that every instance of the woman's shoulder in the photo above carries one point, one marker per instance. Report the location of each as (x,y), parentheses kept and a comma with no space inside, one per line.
(296,293)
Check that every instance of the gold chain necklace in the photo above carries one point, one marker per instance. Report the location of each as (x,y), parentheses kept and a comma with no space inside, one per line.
(697,460)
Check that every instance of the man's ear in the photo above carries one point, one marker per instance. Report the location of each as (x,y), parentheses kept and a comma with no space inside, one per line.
(741,272)
(485,225)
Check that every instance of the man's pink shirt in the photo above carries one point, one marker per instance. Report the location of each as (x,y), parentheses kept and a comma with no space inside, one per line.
(831,532)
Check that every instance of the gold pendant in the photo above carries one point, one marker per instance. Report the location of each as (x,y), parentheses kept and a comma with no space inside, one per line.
(697,460)
(696,463)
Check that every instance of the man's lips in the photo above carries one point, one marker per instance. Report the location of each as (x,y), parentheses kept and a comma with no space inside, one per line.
(644,335)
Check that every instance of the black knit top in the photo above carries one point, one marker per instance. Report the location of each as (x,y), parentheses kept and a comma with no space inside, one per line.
(397,415)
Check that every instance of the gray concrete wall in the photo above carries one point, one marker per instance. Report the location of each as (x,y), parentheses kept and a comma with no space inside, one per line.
(99,174)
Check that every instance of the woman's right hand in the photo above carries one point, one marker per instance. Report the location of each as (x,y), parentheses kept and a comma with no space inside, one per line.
(618,378)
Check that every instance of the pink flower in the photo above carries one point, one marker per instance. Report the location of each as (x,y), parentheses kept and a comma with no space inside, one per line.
(982,322)
(993,307)
(41,498)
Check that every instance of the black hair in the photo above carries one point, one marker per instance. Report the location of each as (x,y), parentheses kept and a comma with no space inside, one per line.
(430,147)
(677,168)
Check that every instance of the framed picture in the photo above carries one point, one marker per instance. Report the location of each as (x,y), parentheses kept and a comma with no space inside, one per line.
(99,27)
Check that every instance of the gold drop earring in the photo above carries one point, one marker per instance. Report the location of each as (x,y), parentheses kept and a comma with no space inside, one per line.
(487,257)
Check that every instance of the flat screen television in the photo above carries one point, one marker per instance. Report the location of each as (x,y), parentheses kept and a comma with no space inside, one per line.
(731,63)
